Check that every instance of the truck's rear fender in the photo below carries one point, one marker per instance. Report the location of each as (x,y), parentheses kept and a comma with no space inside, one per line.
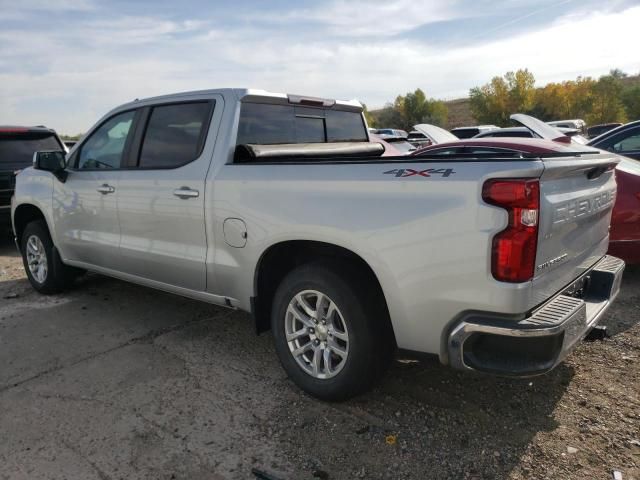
(420,226)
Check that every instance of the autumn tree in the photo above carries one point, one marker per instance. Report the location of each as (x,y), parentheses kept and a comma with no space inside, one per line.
(502,96)
(606,102)
(631,100)
(570,99)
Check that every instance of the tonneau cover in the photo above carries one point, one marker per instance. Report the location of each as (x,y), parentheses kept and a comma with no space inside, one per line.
(253,152)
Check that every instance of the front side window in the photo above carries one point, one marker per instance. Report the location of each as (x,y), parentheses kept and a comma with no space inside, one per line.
(104,148)
(174,135)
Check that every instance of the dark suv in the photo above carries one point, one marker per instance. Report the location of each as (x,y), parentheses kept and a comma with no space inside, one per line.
(17,146)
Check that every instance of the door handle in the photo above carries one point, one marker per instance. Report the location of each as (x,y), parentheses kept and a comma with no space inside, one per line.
(104,189)
(186,192)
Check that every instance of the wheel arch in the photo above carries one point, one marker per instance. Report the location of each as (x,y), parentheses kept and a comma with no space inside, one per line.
(23,215)
(282,257)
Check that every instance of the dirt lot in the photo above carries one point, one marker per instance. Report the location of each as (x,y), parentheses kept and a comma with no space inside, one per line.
(115,381)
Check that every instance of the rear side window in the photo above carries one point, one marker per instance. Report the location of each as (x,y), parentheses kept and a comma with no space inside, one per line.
(19,149)
(174,135)
(266,124)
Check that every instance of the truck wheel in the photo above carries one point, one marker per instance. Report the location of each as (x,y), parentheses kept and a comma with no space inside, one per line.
(45,271)
(332,340)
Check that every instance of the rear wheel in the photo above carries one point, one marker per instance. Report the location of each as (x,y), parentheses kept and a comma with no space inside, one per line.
(332,340)
(42,263)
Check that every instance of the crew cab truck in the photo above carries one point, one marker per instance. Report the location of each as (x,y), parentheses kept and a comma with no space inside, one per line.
(280,205)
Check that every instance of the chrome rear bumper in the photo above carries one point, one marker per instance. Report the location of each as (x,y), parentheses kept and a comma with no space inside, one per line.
(539,342)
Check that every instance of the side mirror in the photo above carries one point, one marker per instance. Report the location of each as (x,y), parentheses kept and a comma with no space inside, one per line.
(51,161)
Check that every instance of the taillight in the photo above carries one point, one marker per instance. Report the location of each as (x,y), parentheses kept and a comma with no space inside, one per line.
(514,249)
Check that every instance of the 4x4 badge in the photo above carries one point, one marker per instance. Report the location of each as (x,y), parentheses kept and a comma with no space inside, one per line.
(409,172)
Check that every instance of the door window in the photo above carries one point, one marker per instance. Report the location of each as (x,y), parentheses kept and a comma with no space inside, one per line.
(105,147)
(629,144)
(174,135)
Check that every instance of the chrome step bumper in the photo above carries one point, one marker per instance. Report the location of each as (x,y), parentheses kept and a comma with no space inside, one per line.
(538,343)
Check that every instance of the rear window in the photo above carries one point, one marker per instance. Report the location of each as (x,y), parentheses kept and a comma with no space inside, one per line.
(519,133)
(174,135)
(19,149)
(266,124)
(465,132)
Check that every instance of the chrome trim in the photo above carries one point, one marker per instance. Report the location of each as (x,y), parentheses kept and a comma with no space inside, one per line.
(575,317)
(186,192)
(104,189)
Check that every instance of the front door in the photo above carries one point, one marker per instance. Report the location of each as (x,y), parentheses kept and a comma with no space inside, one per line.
(85,206)
(161,198)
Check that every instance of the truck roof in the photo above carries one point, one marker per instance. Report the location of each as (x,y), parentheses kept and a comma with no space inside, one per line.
(259,96)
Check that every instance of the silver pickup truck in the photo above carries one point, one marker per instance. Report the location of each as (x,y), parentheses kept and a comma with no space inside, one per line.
(280,205)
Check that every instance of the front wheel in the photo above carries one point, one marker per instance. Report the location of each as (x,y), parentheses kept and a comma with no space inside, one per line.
(331,336)
(45,271)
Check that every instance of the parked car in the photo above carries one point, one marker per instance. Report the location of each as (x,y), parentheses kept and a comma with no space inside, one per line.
(469,132)
(393,132)
(524,132)
(577,123)
(400,145)
(625,221)
(625,225)
(623,140)
(344,254)
(17,146)
(389,149)
(597,130)
(425,134)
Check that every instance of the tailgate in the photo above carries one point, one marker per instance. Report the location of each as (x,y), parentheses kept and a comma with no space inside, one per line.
(576,200)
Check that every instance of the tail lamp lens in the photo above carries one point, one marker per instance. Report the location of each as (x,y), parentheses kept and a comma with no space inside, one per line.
(514,249)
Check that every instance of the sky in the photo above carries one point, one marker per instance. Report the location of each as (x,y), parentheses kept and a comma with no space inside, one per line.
(65,63)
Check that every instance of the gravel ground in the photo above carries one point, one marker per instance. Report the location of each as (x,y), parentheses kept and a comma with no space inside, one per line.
(115,381)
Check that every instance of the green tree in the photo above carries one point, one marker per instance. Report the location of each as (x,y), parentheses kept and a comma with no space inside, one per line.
(606,104)
(367,115)
(631,100)
(387,117)
(415,107)
(502,96)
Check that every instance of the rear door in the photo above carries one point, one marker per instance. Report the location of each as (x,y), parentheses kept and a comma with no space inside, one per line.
(85,206)
(161,200)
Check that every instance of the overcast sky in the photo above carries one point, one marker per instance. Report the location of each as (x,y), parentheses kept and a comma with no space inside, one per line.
(64,63)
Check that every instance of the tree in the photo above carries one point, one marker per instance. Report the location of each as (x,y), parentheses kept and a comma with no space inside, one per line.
(606,105)
(631,101)
(367,115)
(415,107)
(502,96)
(571,99)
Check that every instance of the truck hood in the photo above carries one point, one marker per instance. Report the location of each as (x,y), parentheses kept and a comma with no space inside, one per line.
(435,134)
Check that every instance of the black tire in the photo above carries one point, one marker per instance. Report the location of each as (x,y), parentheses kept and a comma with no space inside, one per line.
(58,276)
(371,341)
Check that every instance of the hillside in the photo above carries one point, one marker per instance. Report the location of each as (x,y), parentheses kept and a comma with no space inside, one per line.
(460,109)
